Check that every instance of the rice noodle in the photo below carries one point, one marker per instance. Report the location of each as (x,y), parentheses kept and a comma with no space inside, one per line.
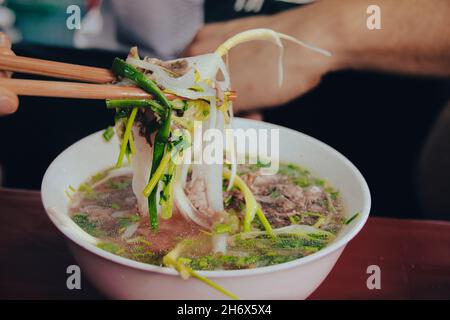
(130,231)
(206,65)
(214,177)
(198,169)
(184,173)
(186,81)
(268,35)
(141,163)
(185,207)
(219,243)
(179,86)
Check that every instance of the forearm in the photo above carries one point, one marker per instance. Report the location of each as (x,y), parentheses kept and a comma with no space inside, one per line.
(414,36)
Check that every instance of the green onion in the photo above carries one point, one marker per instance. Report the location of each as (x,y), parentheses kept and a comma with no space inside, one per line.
(294,219)
(141,103)
(228,200)
(108,133)
(170,260)
(252,208)
(157,175)
(131,144)
(126,136)
(250,202)
(166,198)
(262,217)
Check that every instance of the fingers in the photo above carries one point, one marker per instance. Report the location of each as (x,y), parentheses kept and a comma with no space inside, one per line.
(197,47)
(5,48)
(4,41)
(8,102)
(206,40)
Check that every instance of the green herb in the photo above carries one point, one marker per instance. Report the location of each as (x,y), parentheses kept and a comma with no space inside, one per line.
(108,133)
(228,200)
(89,193)
(121,113)
(334,195)
(167,178)
(180,105)
(294,219)
(261,164)
(319,182)
(222,228)
(302,181)
(140,240)
(110,247)
(293,242)
(298,175)
(125,222)
(208,262)
(99,176)
(115,206)
(82,220)
(313,214)
(126,104)
(275,193)
(236,262)
(83,187)
(185,261)
(352,218)
(119,185)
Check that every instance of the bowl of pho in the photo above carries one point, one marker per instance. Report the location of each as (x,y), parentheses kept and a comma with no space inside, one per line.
(181,200)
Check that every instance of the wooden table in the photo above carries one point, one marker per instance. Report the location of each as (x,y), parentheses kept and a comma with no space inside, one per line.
(414,257)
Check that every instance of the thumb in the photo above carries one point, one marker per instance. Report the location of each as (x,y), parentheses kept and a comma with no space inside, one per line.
(9,102)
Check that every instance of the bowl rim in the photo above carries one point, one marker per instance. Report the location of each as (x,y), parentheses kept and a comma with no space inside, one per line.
(332,247)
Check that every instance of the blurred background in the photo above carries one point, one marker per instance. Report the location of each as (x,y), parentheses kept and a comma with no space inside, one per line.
(398,137)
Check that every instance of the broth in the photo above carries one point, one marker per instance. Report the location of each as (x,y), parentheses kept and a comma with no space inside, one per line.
(305,212)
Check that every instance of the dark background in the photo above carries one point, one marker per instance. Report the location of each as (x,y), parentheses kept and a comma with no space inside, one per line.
(378,121)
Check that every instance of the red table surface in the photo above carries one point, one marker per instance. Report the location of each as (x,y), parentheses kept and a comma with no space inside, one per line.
(413,255)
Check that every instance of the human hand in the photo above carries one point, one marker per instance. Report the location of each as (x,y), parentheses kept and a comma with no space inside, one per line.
(8,100)
(253,66)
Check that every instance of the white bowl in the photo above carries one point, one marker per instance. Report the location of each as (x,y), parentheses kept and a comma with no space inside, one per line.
(121,278)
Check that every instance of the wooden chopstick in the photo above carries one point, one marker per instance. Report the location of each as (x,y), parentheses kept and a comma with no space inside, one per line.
(55,69)
(41,88)
(61,89)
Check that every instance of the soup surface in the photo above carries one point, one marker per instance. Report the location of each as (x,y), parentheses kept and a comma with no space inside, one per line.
(305,212)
